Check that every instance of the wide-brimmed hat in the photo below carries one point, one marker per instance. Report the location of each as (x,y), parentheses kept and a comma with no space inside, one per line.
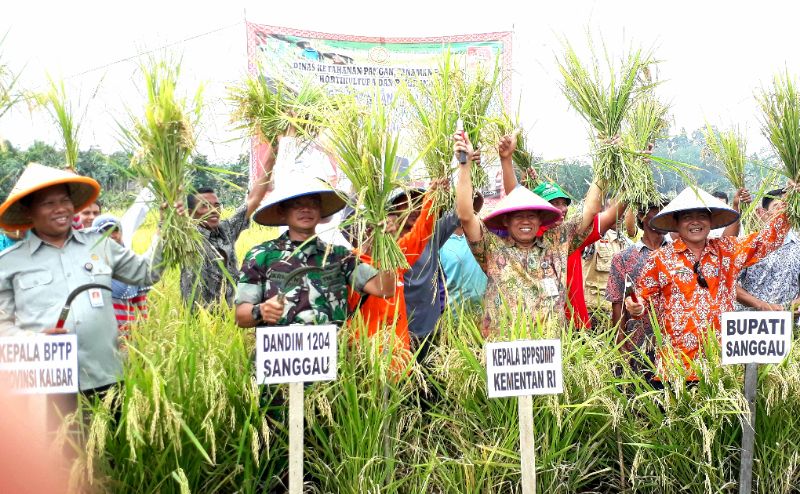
(521,199)
(550,191)
(267,214)
(399,195)
(105,222)
(694,199)
(82,190)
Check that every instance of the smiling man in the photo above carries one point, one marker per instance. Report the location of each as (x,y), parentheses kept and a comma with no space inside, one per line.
(692,281)
(217,277)
(268,296)
(522,269)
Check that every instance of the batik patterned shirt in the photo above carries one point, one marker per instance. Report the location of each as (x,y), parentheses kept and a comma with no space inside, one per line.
(685,310)
(629,263)
(316,297)
(776,279)
(528,281)
(219,271)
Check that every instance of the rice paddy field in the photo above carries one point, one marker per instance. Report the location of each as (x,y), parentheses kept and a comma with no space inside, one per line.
(192,419)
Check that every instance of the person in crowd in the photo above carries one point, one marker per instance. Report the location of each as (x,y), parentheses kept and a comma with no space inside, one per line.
(741,197)
(264,294)
(774,282)
(465,280)
(521,268)
(85,217)
(9,238)
(569,236)
(377,312)
(214,282)
(635,335)
(596,269)
(130,301)
(38,272)
(691,282)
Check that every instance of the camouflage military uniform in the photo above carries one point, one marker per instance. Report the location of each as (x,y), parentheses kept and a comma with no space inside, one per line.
(316,298)
(219,271)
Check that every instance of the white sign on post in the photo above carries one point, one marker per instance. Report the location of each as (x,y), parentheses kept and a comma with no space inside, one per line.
(293,354)
(524,367)
(40,364)
(756,337)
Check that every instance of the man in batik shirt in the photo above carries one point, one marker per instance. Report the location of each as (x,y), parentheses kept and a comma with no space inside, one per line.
(263,295)
(567,237)
(773,283)
(522,270)
(692,281)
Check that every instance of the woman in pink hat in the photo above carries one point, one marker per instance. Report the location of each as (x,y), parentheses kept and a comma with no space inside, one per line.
(523,272)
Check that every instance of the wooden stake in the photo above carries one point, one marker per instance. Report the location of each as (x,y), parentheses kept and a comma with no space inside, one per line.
(748,429)
(526,445)
(296,438)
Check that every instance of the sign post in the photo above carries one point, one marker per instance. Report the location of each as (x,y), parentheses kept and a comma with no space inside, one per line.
(295,355)
(524,368)
(40,364)
(753,338)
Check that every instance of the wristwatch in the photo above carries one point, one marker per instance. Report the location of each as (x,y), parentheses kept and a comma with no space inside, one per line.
(256,313)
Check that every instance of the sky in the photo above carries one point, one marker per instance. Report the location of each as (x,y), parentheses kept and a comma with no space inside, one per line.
(714,55)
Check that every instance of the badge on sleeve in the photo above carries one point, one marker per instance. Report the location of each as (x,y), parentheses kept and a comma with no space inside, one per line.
(96,298)
(550,287)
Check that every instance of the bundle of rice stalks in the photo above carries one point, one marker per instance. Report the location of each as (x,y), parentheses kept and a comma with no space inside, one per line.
(604,101)
(781,125)
(729,150)
(60,110)
(646,122)
(8,80)
(438,103)
(362,140)
(265,108)
(162,141)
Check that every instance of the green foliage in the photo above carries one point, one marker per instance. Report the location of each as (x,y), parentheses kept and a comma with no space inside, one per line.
(60,109)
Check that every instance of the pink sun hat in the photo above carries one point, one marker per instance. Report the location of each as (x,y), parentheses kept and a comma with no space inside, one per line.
(521,199)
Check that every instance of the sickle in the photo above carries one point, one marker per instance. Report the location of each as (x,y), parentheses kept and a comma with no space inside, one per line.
(62,318)
(293,275)
(629,289)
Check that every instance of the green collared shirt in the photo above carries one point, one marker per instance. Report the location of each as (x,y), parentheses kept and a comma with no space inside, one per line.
(36,277)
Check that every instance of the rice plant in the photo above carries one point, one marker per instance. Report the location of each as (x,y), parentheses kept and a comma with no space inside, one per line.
(780,123)
(366,148)
(438,103)
(162,141)
(523,159)
(60,109)
(9,96)
(266,108)
(604,96)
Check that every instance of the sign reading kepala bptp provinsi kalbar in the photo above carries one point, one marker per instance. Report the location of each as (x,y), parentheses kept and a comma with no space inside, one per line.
(40,364)
(756,337)
(291,354)
(524,367)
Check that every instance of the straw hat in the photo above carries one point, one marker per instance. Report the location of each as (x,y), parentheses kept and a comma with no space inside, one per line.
(694,199)
(82,190)
(521,199)
(267,214)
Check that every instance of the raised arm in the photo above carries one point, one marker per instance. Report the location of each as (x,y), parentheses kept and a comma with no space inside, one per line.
(505,150)
(609,217)
(262,182)
(469,220)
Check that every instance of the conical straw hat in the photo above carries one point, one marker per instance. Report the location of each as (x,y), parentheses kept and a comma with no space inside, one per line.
(82,190)
(267,214)
(521,199)
(694,199)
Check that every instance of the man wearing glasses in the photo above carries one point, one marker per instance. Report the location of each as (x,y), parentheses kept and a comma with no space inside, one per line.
(692,281)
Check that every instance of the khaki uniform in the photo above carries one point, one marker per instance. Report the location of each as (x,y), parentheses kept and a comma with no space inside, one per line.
(596,270)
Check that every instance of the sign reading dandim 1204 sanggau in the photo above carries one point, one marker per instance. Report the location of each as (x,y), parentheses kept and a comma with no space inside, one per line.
(40,364)
(756,337)
(291,354)
(524,367)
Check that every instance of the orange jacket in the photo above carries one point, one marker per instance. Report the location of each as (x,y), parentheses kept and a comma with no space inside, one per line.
(380,312)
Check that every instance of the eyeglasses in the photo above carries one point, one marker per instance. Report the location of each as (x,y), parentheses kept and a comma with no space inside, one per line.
(700,278)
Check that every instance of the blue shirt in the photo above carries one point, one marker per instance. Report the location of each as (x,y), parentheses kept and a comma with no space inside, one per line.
(466,281)
(6,242)
(421,281)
